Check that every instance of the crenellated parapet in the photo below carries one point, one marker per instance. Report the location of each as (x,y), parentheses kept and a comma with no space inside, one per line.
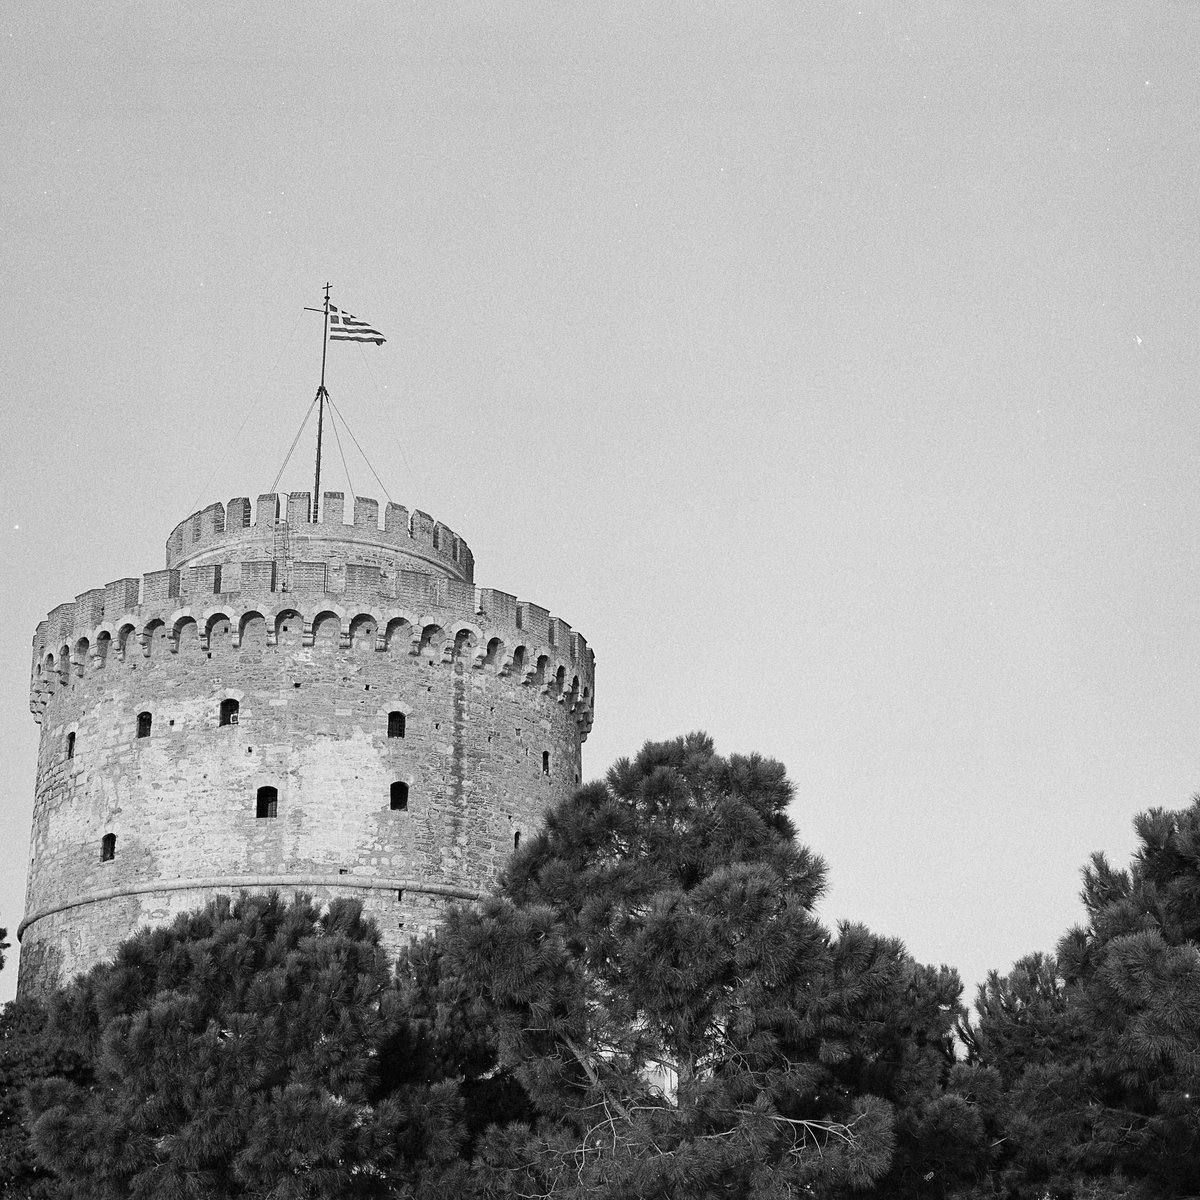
(281,527)
(425,616)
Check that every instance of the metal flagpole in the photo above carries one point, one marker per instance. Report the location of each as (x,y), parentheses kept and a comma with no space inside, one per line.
(322,396)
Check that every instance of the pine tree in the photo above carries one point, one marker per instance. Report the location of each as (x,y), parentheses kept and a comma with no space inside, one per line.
(899,1021)
(1098,1048)
(27,1057)
(680,1020)
(235,1054)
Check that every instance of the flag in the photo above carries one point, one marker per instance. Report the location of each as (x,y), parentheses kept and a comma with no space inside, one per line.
(345,328)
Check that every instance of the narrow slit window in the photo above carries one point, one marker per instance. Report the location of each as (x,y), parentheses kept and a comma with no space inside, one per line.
(229,712)
(108,847)
(399,796)
(144,720)
(71,745)
(517,840)
(545,762)
(268,802)
(395,724)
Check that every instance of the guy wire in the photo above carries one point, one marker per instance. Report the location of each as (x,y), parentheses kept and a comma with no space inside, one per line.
(338,438)
(365,459)
(292,447)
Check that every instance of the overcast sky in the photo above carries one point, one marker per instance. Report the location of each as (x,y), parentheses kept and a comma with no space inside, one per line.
(832,367)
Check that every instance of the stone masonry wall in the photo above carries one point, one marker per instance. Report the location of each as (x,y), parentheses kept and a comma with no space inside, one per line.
(495,696)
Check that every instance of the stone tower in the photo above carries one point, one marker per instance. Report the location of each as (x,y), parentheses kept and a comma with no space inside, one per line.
(332,707)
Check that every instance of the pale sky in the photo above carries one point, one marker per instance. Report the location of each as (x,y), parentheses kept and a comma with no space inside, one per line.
(831,367)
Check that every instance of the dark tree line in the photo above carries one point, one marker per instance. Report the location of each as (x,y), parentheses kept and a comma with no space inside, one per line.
(646,1007)
(1087,1063)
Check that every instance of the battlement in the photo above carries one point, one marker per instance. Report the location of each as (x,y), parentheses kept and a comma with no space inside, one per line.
(275,521)
(423,615)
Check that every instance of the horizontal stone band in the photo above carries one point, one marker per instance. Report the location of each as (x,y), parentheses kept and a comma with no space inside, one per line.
(372,882)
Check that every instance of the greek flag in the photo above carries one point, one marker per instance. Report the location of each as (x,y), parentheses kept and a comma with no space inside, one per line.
(345,328)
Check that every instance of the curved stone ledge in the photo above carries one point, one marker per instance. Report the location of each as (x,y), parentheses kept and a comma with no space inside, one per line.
(354,882)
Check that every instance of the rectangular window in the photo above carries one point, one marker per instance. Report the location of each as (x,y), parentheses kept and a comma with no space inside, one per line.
(267,802)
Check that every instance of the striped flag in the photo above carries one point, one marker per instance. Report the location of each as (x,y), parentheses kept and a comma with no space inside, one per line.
(345,328)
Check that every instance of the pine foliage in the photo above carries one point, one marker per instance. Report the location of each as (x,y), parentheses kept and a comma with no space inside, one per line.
(27,1056)
(234,1054)
(646,1007)
(1098,1047)
(682,1023)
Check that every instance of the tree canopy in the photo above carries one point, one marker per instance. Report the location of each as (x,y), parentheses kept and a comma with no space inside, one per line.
(661,988)
(647,1006)
(235,1053)
(1097,1048)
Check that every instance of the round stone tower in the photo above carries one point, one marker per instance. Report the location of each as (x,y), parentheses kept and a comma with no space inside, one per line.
(325,706)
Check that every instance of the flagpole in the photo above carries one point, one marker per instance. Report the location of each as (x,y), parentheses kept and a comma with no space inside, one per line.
(321,396)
